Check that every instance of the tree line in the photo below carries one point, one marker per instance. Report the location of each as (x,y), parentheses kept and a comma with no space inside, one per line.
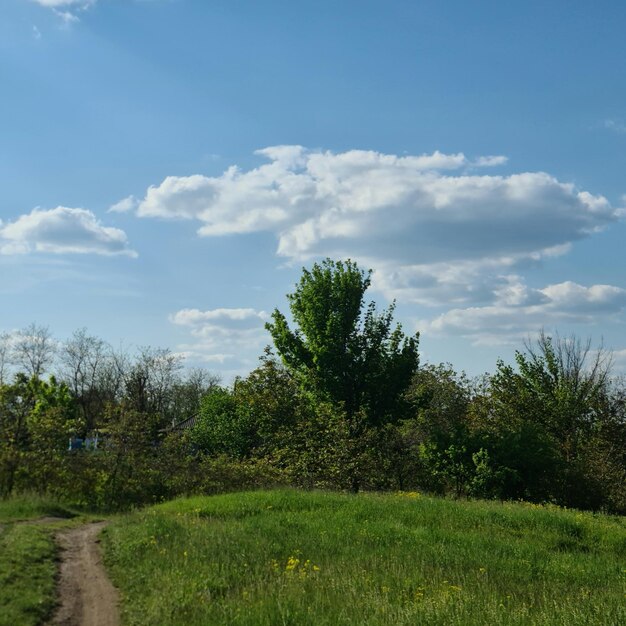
(340,401)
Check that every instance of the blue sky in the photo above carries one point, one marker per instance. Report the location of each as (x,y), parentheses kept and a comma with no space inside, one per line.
(168,166)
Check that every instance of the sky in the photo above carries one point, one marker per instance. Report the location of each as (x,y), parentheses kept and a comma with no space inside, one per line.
(167,167)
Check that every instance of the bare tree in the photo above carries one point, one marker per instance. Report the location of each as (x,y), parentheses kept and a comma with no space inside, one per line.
(34,349)
(114,374)
(188,393)
(152,379)
(5,356)
(83,358)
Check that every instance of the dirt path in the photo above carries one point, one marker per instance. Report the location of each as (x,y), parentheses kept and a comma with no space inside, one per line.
(87,596)
(41,521)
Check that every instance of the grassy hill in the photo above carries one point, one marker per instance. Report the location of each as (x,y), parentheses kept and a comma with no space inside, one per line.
(289,557)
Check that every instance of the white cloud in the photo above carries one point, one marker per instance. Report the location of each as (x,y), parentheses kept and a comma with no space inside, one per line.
(55,4)
(62,231)
(232,337)
(221,320)
(520,310)
(67,16)
(436,231)
(295,187)
(490,161)
(124,205)
(65,9)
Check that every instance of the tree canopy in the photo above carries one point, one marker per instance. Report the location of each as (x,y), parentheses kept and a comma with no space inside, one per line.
(342,349)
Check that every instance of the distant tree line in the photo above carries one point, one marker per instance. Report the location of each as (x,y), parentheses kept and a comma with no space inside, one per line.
(340,402)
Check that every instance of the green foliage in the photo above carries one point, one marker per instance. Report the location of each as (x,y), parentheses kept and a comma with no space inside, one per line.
(322,451)
(346,354)
(451,466)
(548,411)
(130,468)
(434,448)
(525,459)
(287,557)
(490,480)
(274,402)
(224,426)
(36,420)
(345,407)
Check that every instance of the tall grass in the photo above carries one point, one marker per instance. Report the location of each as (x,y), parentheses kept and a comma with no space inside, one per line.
(287,557)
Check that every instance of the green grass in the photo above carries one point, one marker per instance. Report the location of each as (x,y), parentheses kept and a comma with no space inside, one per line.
(27,574)
(288,557)
(30,507)
(28,560)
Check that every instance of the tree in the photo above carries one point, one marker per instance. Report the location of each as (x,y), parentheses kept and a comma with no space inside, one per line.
(5,356)
(273,400)
(33,349)
(187,394)
(83,358)
(561,384)
(431,448)
(36,419)
(224,426)
(343,351)
(559,400)
(151,380)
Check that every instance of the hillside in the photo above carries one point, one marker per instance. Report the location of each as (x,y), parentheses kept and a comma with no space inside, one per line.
(289,557)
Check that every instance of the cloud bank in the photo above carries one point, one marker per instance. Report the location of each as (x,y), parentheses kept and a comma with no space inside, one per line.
(442,230)
(62,231)
(417,209)
(519,311)
(231,337)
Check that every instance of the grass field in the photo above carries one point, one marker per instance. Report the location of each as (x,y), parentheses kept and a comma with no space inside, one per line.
(287,557)
(31,507)
(27,560)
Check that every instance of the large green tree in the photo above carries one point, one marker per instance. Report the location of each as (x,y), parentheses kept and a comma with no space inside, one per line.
(345,351)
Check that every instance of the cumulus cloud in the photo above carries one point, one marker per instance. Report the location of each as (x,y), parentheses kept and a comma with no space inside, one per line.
(62,231)
(436,230)
(441,230)
(520,310)
(226,336)
(455,282)
(411,209)
(314,201)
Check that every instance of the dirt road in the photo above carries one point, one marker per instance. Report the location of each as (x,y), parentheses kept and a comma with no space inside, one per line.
(86,594)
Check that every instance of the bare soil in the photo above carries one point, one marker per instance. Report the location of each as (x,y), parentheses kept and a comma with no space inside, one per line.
(86,595)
